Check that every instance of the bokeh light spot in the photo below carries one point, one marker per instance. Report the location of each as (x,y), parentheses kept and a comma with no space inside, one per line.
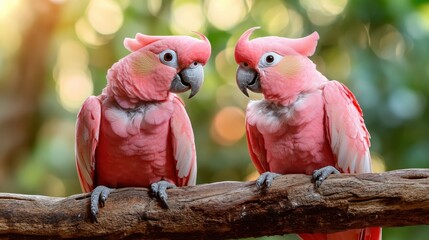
(297,28)
(252,176)
(72,76)
(72,55)
(154,6)
(87,34)
(337,63)
(229,93)
(320,19)
(388,43)
(424,16)
(377,163)
(228,126)
(56,138)
(277,18)
(225,65)
(225,14)
(10,39)
(186,17)
(105,16)
(405,104)
(323,12)
(73,87)
(7,6)
(333,7)
(10,34)
(54,186)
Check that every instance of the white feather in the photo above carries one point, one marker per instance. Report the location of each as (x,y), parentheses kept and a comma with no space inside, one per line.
(348,135)
(183,144)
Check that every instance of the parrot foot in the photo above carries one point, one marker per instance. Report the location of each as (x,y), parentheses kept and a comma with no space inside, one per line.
(98,196)
(266,179)
(159,190)
(321,174)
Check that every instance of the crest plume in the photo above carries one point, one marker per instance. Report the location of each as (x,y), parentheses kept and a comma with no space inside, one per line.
(141,40)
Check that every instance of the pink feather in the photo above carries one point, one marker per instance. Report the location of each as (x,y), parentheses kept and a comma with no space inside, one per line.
(87,135)
(137,150)
(137,132)
(304,122)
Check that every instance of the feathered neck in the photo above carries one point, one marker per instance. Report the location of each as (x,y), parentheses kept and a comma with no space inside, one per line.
(128,89)
(289,82)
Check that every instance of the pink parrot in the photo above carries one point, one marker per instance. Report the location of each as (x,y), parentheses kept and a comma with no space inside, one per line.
(305,123)
(137,133)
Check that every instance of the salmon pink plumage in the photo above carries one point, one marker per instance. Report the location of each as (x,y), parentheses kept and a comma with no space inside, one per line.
(305,123)
(137,133)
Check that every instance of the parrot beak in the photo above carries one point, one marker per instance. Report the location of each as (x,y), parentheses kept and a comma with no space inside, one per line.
(248,78)
(191,77)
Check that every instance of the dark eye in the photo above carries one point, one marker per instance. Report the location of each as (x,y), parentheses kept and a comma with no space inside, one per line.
(269,59)
(168,57)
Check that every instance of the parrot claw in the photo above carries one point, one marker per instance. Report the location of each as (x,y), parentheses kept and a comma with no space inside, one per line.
(321,174)
(159,190)
(98,196)
(265,180)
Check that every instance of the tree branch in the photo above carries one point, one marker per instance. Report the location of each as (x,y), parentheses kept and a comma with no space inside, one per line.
(228,209)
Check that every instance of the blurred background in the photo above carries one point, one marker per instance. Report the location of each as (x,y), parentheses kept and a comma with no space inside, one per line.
(54,54)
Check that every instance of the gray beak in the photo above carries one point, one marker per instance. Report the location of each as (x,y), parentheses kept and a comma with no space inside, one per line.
(191,77)
(248,78)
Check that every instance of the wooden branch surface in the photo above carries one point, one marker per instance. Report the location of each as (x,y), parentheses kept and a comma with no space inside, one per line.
(227,209)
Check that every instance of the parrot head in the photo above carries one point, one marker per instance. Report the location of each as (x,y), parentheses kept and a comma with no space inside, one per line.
(274,66)
(158,65)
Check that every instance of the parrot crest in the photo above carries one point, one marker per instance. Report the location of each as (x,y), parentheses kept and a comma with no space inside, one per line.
(156,67)
(245,48)
(141,40)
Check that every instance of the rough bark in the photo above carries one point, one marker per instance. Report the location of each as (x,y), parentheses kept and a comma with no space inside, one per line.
(227,209)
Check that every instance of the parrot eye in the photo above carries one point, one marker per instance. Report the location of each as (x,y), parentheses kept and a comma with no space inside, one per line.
(169,58)
(270,59)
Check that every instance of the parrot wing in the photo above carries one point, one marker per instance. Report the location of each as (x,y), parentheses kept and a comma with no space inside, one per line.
(87,132)
(347,134)
(183,145)
(256,146)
